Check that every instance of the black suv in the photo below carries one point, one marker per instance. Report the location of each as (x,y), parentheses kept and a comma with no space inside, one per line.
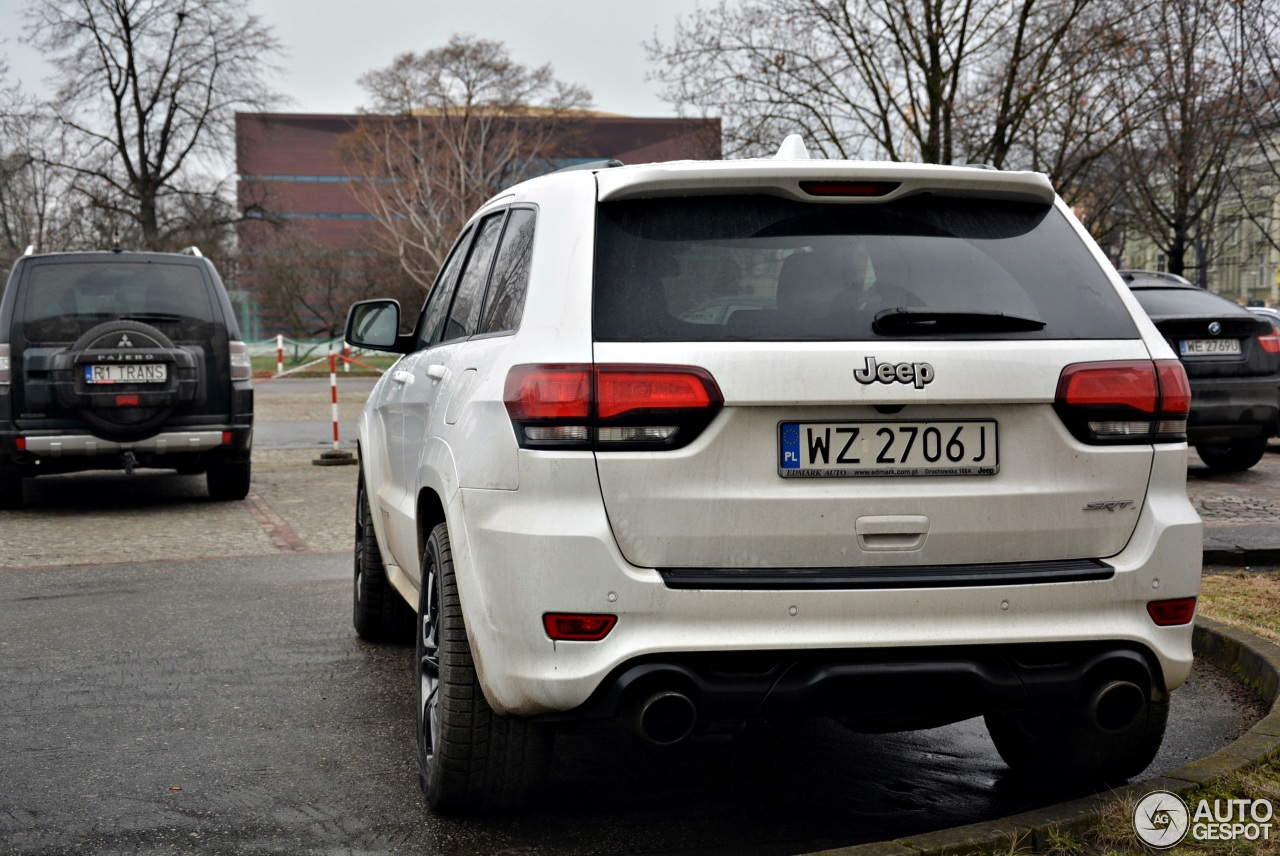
(1232,358)
(117,360)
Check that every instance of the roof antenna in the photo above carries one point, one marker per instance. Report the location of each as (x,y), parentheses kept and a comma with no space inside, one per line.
(115,242)
(792,148)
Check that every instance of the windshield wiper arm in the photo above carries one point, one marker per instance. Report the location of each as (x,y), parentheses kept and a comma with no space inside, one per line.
(921,319)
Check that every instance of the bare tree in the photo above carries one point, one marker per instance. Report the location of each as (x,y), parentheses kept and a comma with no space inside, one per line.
(449,128)
(306,287)
(933,80)
(37,207)
(147,91)
(1194,109)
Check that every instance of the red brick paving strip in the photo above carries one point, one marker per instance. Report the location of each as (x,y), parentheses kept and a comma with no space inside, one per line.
(280,532)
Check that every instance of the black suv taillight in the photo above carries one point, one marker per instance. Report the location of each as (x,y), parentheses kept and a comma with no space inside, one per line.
(1138,401)
(607,407)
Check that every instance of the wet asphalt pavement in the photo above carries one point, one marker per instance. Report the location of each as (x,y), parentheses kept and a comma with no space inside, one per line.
(214,698)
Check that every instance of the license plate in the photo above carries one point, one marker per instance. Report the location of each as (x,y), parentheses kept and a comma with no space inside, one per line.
(1208,347)
(853,449)
(126,373)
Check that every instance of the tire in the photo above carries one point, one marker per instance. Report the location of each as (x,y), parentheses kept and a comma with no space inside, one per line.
(379,613)
(98,406)
(470,759)
(1056,743)
(1240,455)
(10,490)
(228,478)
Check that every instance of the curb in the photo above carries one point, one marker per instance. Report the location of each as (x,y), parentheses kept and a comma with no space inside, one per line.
(1255,662)
(1241,557)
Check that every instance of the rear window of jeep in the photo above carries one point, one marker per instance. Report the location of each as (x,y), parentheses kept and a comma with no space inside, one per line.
(763,268)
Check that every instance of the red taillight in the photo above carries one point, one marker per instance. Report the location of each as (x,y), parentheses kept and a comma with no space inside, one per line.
(1271,341)
(1175,389)
(546,392)
(849,188)
(21,443)
(126,401)
(1169,613)
(609,406)
(1138,401)
(573,627)
(622,389)
(226,438)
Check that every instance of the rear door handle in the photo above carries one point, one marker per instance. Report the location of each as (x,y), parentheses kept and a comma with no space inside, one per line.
(436,372)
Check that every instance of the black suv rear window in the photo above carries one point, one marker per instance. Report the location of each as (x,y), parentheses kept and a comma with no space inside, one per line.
(770,269)
(66,299)
(1172,302)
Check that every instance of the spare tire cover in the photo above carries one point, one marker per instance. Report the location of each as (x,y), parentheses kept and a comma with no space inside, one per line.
(115,380)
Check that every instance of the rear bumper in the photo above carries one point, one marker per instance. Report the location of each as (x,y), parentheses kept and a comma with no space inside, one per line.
(520,554)
(31,453)
(874,690)
(1226,408)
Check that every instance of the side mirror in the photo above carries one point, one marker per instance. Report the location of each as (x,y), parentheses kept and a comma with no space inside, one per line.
(375,324)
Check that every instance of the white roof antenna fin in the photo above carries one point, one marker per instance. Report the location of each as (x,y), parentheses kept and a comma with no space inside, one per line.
(792,148)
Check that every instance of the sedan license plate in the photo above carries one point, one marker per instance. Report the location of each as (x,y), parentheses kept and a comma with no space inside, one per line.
(853,449)
(1208,347)
(126,373)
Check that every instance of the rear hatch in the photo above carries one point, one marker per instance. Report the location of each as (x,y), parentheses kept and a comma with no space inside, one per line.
(62,298)
(888,364)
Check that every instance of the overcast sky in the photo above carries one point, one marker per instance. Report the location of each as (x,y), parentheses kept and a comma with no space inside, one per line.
(596,43)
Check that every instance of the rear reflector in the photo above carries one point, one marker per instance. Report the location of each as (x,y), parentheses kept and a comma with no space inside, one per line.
(574,627)
(1140,401)
(1169,613)
(601,407)
(126,401)
(849,188)
(226,438)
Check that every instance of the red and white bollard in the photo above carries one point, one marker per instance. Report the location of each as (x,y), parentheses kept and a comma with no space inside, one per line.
(346,357)
(279,353)
(333,393)
(335,457)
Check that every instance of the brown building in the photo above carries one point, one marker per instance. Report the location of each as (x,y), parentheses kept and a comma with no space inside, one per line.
(290,172)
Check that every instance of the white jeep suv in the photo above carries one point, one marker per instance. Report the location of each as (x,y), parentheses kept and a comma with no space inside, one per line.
(702,442)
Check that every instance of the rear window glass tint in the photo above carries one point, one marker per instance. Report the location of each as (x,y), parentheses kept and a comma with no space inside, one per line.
(1172,302)
(505,302)
(64,300)
(771,269)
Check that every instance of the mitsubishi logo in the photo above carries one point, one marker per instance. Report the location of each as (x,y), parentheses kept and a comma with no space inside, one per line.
(124,342)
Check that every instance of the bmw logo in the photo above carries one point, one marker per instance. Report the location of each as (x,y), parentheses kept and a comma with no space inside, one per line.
(1215,328)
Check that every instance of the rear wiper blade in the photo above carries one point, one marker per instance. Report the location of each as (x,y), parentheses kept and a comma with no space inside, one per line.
(150,316)
(921,319)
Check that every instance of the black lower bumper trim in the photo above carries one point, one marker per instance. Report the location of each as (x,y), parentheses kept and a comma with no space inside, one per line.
(874,689)
(913,576)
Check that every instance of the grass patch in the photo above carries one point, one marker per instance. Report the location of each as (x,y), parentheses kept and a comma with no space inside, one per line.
(368,364)
(1249,600)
